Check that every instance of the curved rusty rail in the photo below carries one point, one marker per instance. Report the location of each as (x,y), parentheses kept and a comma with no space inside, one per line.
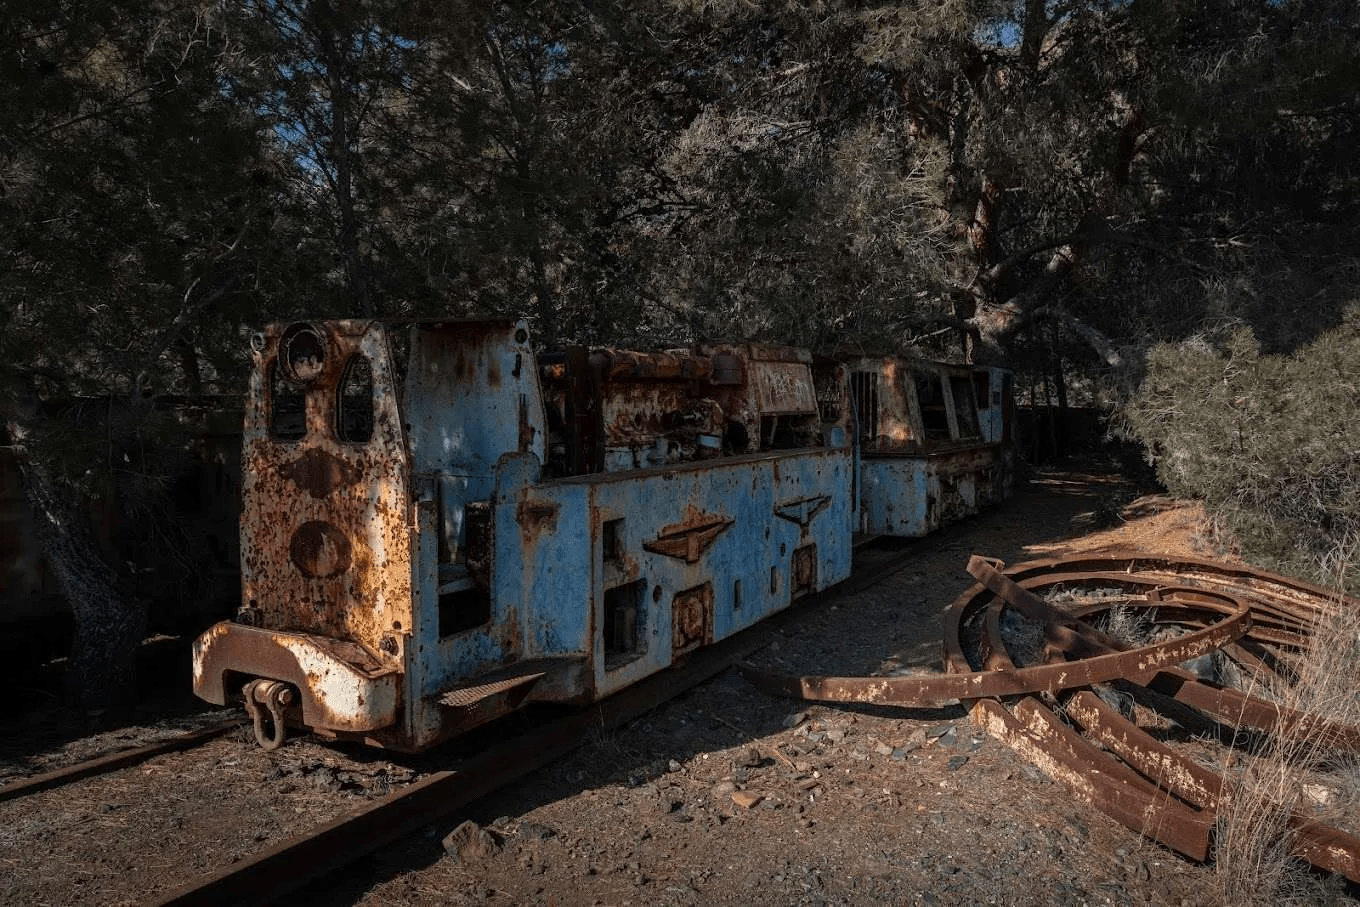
(916,691)
(1256,618)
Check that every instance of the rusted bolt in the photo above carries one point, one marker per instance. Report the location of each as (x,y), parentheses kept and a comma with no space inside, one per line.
(388,645)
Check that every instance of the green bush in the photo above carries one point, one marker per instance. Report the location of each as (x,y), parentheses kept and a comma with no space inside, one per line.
(1270,443)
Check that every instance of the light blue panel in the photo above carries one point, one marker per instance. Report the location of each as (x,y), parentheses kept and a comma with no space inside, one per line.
(448,661)
(912,496)
(895,494)
(757,543)
(472,395)
(544,570)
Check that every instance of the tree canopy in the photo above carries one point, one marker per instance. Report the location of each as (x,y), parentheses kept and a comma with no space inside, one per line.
(1056,184)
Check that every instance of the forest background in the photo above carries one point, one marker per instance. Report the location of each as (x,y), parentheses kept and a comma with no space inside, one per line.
(1145,204)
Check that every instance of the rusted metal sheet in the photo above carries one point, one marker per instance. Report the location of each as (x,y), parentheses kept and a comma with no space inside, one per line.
(691,618)
(325,524)
(783,388)
(688,540)
(617,410)
(325,519)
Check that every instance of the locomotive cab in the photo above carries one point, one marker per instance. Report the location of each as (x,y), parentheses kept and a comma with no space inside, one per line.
(934,442)
(326,551)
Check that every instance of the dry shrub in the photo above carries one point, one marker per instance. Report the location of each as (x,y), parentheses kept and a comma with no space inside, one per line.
(1268,442)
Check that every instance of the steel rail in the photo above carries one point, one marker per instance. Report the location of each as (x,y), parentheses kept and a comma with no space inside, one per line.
(1325,846)
(1224,704)
(113,761)
(302,858)
(1119,768)
(1110,785)
(939,689)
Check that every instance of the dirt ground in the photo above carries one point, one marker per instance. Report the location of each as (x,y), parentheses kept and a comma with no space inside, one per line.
(723,796)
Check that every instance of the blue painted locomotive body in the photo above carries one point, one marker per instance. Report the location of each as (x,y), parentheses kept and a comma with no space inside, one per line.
(440,525)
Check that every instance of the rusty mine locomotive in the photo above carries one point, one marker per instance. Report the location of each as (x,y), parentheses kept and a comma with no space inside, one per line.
(440,525)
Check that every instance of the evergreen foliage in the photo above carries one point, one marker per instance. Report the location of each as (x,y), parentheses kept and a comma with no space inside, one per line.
(1056,184)
(1271,443)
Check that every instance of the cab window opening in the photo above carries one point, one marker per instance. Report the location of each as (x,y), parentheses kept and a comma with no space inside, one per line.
(287,407)
(965,407)
(355,402)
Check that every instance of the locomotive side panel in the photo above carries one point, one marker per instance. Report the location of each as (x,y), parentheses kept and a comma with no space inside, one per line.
(471,398)
(597,580)
(692,555)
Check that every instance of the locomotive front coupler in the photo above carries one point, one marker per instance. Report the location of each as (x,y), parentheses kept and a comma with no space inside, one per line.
(266,701)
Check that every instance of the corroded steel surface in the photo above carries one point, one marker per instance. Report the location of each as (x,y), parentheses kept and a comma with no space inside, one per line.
(1118,767)
(341,686)
(926,691)
(434,511)
(325,521)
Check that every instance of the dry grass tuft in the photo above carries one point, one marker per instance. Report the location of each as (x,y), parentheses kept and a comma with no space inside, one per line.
(1295,772)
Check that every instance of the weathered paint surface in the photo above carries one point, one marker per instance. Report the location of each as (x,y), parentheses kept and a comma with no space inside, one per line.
(340,688)
(325,522)
(550,589)
(593,581)
(514,530)
(325,529)
(933,443)
(915,495)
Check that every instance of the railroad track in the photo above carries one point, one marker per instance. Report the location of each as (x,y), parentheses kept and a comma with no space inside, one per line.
(110,762)
(295,861)
(131,756)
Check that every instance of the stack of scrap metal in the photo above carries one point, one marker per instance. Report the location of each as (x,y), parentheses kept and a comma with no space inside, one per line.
(1258,621)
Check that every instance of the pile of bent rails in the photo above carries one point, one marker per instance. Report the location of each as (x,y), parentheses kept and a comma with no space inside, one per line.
(1254,618)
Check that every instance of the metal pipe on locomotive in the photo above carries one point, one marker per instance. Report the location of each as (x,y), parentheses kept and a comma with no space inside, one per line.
(440,525)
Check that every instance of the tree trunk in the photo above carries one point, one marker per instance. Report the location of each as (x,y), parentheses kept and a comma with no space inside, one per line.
(108,627)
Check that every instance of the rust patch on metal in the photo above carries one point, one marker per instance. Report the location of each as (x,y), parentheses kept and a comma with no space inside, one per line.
(803,510)
(688,540)
(526,429)
(804,569)
(326,523)
(320,550)
(319,473)
(536,517)
(692,618)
